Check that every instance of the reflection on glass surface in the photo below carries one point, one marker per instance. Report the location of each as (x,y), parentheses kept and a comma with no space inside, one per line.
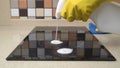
(37,46)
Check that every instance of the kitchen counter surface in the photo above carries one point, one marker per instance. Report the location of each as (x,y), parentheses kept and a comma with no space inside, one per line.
(11,36)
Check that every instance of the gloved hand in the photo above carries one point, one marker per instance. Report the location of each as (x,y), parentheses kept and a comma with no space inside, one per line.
(77,9)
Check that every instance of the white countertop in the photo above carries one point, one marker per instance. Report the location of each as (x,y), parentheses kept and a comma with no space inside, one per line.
(11,36)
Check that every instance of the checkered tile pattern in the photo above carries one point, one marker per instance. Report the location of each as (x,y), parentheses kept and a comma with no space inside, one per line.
(33,9)
(37,46)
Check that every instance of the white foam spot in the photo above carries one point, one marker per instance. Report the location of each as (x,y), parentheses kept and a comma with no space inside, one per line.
(56,42)
(65,51)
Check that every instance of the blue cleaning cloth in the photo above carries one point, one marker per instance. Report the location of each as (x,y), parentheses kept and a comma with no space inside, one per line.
(92,29)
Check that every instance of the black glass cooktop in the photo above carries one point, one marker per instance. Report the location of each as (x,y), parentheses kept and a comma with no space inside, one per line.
(37,46)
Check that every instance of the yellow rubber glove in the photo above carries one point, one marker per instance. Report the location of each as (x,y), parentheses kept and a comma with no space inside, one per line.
(80,9)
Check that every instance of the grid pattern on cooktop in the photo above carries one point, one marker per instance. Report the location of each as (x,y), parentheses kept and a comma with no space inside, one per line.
(37,46)
(33,9)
